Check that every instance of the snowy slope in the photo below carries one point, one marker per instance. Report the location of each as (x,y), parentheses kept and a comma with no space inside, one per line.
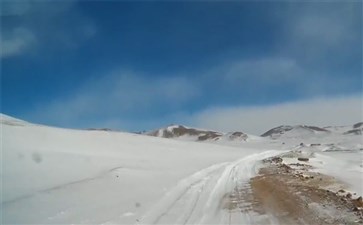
(8,120)
(61,176)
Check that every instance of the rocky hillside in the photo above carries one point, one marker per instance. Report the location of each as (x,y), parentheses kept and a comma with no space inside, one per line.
(356,129)
(194,134)
(293,131)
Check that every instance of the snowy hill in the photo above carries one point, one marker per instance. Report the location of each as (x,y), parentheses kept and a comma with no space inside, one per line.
(63,176)
(180,132)
(356,129)
(304,131)
(294,131)
(331,138)
(8,120)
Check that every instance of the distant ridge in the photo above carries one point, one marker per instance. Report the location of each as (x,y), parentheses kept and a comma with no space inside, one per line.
(357,129)
(304,130)
(195,134)
(293,130)
(5,119)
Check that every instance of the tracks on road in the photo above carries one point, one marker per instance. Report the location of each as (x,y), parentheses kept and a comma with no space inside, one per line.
(215,195)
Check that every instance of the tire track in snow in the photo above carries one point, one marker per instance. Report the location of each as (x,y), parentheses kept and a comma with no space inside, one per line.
(198,199)
(183,191)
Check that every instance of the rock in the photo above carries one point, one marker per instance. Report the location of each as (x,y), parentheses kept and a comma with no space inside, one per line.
(312,145)
(276,160)
(303,159)
(358,202)
(349,195)
(341,191)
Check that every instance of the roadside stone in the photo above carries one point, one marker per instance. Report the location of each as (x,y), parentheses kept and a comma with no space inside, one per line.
(358,202)
(276,159)
(303,159)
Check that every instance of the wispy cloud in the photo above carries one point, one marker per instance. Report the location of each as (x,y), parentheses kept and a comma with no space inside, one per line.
(14,8)
(314,32)
(18,41)
(117,97)
(41,26)
(267,70)
(26,7)
(256,120)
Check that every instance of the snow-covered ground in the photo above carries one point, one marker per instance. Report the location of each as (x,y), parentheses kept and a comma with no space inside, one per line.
(345,166)
(336,154)
(62,176)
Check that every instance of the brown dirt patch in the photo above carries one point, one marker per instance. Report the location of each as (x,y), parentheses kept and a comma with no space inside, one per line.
(301,198)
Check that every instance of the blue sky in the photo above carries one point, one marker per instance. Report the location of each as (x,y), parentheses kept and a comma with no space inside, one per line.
(141,65)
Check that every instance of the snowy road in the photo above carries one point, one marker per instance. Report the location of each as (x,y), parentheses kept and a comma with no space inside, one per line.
(215,195)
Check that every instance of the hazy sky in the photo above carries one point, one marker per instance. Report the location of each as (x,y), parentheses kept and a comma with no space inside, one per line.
(237,65)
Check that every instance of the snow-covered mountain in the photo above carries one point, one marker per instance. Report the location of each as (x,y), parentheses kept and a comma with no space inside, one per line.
(180,132)
(294,131)
(356,129)
(304,131)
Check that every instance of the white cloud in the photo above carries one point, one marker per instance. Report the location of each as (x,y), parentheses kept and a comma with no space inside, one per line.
(316,30)
(256,120)
(16,42)
(267,77)
(267,70)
